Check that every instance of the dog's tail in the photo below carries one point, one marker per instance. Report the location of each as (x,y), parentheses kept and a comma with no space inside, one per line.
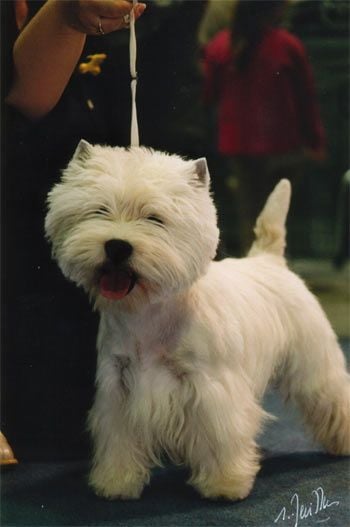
(270,230)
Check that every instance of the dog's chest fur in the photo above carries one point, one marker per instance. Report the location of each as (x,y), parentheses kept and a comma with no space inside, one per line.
(145,361)
(147,345)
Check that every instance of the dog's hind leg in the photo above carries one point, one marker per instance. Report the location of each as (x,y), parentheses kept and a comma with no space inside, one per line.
(315,377)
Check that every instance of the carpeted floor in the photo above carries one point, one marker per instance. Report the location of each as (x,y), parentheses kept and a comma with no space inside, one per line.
(298,486)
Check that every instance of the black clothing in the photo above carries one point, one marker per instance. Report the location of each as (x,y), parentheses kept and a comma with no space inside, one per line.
(48,329)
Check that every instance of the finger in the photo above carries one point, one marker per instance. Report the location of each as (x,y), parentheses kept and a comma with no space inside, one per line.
(89,14)
(111,8)
(139,9)
(124,9)
(95,23)
(114,24)
(111,24)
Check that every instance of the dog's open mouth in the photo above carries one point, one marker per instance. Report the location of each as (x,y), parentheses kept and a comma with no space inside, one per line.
(116,282)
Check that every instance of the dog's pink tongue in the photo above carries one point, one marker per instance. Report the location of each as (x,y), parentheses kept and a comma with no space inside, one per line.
(115,285)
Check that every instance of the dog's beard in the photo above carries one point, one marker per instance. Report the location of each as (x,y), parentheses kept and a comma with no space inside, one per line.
(156,270)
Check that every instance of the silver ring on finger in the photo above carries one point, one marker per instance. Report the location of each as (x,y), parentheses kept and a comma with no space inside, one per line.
(126,19)
(99,29)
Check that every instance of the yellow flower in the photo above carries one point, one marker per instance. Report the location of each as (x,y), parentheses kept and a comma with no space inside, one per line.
(93,65)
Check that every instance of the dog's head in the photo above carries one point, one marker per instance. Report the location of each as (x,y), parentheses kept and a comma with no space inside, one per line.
(132,225)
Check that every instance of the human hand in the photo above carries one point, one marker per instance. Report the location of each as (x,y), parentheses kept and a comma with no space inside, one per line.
(99,17)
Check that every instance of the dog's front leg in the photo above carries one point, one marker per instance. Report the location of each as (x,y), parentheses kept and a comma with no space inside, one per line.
(120,467)
(224,458)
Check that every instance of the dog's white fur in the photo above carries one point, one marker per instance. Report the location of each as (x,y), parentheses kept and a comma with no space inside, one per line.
(185,357)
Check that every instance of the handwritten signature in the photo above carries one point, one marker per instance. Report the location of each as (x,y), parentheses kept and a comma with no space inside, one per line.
(300,511)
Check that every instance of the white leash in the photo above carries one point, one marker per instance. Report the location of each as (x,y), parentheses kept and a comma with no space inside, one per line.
(134,134)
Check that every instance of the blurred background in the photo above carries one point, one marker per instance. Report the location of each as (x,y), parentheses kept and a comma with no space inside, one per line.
(322,25)
(171,84)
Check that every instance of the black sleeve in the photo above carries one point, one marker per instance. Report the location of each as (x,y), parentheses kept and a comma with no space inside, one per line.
(9,34)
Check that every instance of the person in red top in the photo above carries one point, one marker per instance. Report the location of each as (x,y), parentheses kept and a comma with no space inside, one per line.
(268,117)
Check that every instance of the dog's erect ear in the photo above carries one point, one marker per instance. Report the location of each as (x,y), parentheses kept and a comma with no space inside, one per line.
(202,171)
(82,152)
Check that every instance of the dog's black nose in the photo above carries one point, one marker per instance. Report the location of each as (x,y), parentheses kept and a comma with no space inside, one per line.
(118,250)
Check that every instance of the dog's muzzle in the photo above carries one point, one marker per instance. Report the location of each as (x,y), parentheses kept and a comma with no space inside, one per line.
(115,277)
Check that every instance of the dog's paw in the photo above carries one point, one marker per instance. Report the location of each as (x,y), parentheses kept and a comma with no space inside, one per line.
(118,494)
(232,489)
(113,487)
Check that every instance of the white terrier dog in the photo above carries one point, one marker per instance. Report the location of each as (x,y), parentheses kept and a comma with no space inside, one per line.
(187,346)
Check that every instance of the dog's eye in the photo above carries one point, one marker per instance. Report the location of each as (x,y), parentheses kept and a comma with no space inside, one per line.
(155,219)
(102,211)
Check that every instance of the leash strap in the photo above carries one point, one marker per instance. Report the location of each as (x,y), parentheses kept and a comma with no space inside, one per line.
(134,134)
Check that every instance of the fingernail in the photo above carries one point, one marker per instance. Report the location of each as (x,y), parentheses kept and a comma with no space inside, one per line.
(140,8)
